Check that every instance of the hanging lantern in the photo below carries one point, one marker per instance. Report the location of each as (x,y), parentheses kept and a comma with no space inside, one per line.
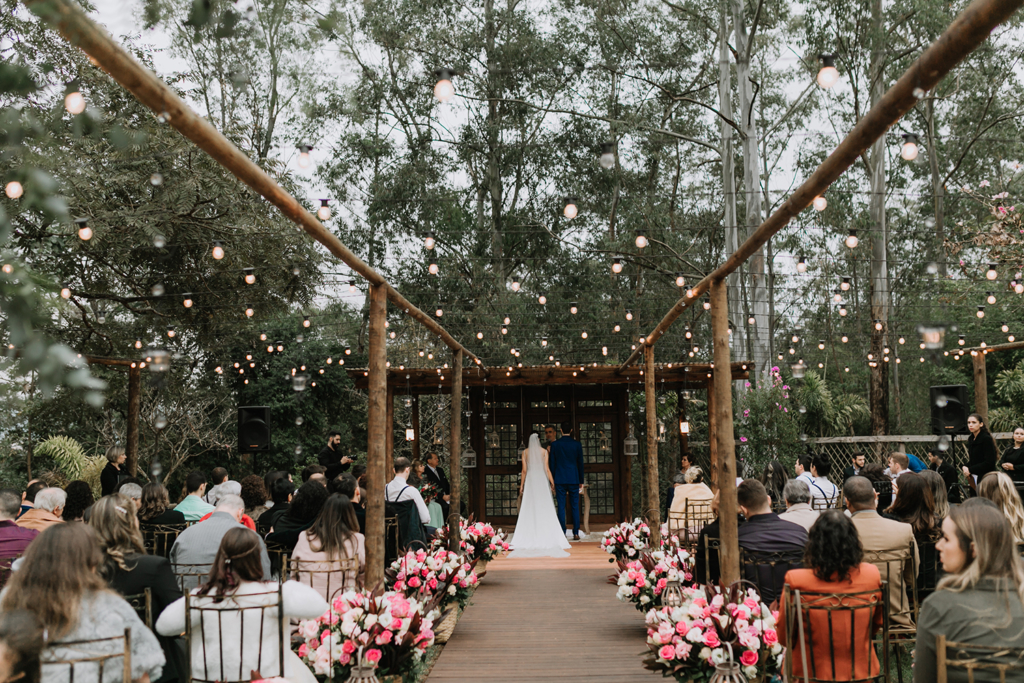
(672,594)
(932,335)
(684,426)
(410,433)
(469,458)
(364,672)
(493,440)
(630,445)
(661,432)
(799,369)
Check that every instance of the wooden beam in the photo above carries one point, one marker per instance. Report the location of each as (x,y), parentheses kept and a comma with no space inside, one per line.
(967,32)
(653,513)
(78,29)
(455,462)
(1008,346)
(722,418)
(132,436)
(980,385)
(376,447)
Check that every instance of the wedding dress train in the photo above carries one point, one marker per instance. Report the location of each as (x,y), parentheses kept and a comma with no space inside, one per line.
(538,532)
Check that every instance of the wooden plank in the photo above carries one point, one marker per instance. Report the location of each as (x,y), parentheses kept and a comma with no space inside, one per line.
(980,385)
(132,432)
(376,447)
(722,418)
(653,511)
(546,619)
(895,438)
(455,462)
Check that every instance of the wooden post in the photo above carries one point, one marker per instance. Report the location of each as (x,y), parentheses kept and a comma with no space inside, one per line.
(980,385)
(416,428)
(132,437)
(712,438)
(455,463)
(376,447)
(390,423)
(721,386)
(653,511)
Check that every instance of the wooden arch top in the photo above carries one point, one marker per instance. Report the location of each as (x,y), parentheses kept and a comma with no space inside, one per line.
(429,380)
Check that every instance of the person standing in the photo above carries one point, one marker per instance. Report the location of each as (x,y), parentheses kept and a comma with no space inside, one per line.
(112,474)
(1013,459)
(566,462)
(981,449)
(435,474)
(329,457)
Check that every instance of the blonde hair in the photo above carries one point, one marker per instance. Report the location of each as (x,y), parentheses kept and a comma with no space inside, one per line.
(114,452)
(113,518)
(938,487)
(986,540)
(694,474)
(999,488)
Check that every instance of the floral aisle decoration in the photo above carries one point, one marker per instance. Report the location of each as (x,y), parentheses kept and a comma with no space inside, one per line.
(687,642)
(420,575)
(481,542)
(626,541)
(429,491)
(393,630)
(642,581)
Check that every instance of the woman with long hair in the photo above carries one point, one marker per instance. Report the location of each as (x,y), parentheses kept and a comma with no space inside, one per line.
(981,449)
(59,582)
(79,499)
(938,486)
(1012,461)
(833,564)
(155,507)
(774,478)
(333,536)
(129,570)
(218,621)
(914,504)
(21,643)
(980,600)
(999,488)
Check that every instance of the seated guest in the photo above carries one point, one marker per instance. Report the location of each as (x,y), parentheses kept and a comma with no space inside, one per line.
(305,508)
(254,495)
(155,507)
(950,475)
(685,465)
(197,545)
(346,485)
(692,488)
(914,504)
(193,506)
(282,494)
(333,536)
(219,477)
(857,461)
(706,568)
(832,565)
(979,600)
(28,497)
(78,499)
(268,482)
(125,481)
(938,487)
(798,504)
(133,491)
(416,473)
(311,471)
(398,490)
(13,538)
(803,468)
(21,642)
(880,481)
(49,506)
(237,580)
(685,517)
(112,472)
(774,478)
(1012,461)
(130,571)
(898,463)
(888,540)
(359,472)
(999,488)
(765,533)
(824,494)
(59,583)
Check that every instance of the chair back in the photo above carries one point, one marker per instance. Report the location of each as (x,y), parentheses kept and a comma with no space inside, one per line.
(690,521)
(884,490)
(826,503)
(230,639)
(829,634)
(929,570)
(711,550)
(142,603)
(391,538)
(189,576)
(899,570)
(326,577)
(88,660)
(5,569)
(278,554)
(159,538)
(980,662)
(767,570)
(411,535)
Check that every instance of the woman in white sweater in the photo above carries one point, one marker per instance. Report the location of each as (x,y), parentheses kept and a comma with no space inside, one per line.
(334,536)
(239,624)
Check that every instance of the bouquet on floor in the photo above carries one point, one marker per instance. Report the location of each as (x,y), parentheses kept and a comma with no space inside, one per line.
(625,542)
(421,575)
(642,581)
(393,630)
(482,541)
(688,641)
(429,491)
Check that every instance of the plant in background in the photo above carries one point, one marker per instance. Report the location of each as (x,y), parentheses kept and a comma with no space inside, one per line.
(767,424)
(824,412)
(71,460)
(1009,388)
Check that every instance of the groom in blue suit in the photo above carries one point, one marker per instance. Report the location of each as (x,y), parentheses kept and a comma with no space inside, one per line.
(566,463)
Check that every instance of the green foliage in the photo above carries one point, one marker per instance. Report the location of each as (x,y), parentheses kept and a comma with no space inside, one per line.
(824,413)
(767,427)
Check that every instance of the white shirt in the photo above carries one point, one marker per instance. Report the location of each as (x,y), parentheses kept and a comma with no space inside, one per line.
(394,493)
(821,487)
(806,478)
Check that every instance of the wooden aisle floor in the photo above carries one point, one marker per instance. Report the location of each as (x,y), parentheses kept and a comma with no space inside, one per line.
(546,619)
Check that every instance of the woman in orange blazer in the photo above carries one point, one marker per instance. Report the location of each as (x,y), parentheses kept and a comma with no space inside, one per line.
(832,561)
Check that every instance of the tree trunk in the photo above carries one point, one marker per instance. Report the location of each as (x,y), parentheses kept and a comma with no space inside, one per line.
(938,191)
(494,184)
(879,391)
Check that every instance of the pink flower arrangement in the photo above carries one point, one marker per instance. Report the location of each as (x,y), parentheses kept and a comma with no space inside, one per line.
(480,541)
(421,574)
(627,540)
(642,581)
(393,630)
(688,641)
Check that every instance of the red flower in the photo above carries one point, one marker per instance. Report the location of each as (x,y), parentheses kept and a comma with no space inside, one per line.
(748,658)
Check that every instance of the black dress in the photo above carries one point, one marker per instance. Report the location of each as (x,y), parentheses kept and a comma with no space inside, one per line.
(109,478)
(1014,456)
(170,516)
(982,455)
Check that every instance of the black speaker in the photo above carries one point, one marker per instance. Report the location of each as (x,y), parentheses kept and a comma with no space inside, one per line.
(253,429)
(949,409)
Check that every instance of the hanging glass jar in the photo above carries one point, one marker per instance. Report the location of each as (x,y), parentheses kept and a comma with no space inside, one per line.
(630,445)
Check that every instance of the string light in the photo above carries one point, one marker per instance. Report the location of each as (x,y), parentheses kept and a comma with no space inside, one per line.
(617,265)
(479,335)
(845,284)
(991,273)
(218,251)
(65,292)
(263,336)
(909,150)
(170,331)
(828,75)
(74,102)
(843,311)
(542,299)
(444,91)
(821,344)
(607,159)
(844,339)
(84,231)
(990,297)
(250,276)
(432,268)
(629,314)
(707,305)
(981,312)
(801,265)
(352,286)
(570,211)
(851,240)
(14,189)
(439,312)
(305,161)
(1005,328)
(249,312)
(961,340)
(324,212)
(306,323)
(820,203)
(574,308)
(543,341)
(188,300)
(506,320)
(680,280)
(515,283)
(641,239)
(751,320)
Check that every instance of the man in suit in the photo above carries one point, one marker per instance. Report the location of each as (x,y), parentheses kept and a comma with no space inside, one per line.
(890,542)
(197,545)
(763,535)
(566,463)
(435,475)
(854,468)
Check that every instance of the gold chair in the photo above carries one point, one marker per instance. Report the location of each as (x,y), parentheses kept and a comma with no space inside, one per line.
(975,658)
(189,576)
(159,538)
(142,603)
(88,657)
(327,577)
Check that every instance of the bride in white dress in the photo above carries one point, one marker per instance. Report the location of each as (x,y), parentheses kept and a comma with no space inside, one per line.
(538,533)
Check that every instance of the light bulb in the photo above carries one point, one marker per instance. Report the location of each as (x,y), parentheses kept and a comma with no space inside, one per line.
(991,273)
(707,305)
(616,265)
(1018,288)
(629,315)
(544,341)
(218,251)
(74,102)
(962,340)
(981,311)
(270,348)
(249,312)
(352,286)
(479,335)
(1005,327)
(843,311)
(902,340)
(305,161)
(991,298)
(170,331)
(641,240)
(263,336)
(604,350)
(439,312)
(845,338)
(570,211)
(504,330)
(429,241)
(821,344)
(583,334)
(617,328)
(607,159)
(909,150)
(65,292)
(84,231)
(250,276)
(444,91)
(324,212)
(852,240)
(14,189)
(680,280)
(573,308)
(138,343)
(828,75)
(515,283)
(820,203)
(432,269)
(845,284)
(878,325)
(506,320)
(801,265)
(305,321)
(542,299)
(188,301)
(837,296)
(751,320)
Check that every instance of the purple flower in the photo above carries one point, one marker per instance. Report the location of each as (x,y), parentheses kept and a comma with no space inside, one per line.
(743,438)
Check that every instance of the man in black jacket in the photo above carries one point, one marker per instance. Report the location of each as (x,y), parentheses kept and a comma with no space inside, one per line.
(435,475)
(857,464)
(329,457)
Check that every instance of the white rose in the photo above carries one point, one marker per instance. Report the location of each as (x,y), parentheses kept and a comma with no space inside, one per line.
(718,655)
(705,652)
(370,620)
(694,635)
(750,671)
(452,589)
(644,599)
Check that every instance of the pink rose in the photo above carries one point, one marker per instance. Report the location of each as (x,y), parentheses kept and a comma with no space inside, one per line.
(748,658)
(414,582)
(667,652)
(752,604)
(683,650)
(662,583)
(711,638)
(682,628)
(303,650)
(384,638)
(396,624)
(345,658)
(770,636)
(348,646)
(432,584)
(373,655)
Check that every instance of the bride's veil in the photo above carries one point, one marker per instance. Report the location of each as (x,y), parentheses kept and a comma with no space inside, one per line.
(534,460)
